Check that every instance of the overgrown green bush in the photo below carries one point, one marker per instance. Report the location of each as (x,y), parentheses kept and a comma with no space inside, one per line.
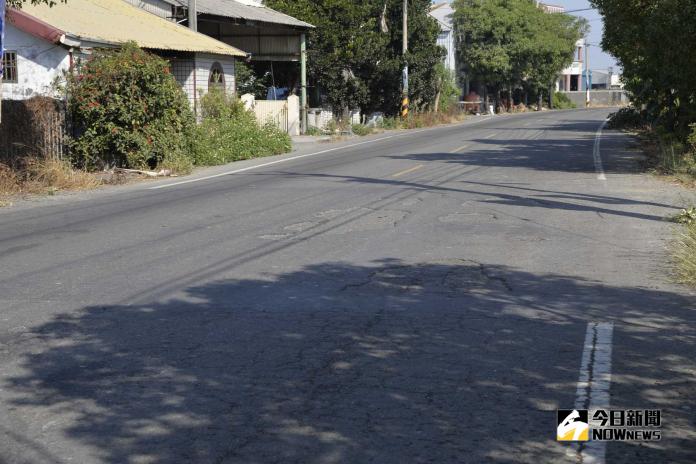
(129,111)
(692,137)
(626,118)
(361,129)
(312,130)
(228,132)
(562,102)
(389,123)
(449,92)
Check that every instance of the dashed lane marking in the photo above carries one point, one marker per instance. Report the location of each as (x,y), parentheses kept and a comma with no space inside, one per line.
(406,171)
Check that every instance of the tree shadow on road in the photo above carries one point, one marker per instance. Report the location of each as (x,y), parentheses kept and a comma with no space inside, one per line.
(451,361)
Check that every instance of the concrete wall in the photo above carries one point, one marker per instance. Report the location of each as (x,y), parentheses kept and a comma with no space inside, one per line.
(39,64)
(284,114)
(204,63)
(321,117)
(599,98)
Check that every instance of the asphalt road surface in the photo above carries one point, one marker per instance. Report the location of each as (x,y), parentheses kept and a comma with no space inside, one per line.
(420,297)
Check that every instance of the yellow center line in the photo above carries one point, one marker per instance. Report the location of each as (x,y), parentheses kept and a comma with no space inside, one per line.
(456,150)
(406,171)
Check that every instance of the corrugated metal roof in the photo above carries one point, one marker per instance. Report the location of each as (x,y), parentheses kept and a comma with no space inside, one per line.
(237,10)
(115,21)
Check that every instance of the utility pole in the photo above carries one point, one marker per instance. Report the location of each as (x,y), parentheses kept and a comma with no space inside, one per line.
(303,83)
(587,75)
(404,101)
(192,18)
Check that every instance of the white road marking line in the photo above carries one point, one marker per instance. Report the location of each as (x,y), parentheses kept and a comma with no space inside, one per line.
(594,383)
(284,160)
(270,163)
(406,171)
(595,153)
(490,136)
(457,150)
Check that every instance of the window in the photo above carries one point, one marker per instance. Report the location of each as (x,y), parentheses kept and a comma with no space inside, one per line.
(9,67)
(216,79)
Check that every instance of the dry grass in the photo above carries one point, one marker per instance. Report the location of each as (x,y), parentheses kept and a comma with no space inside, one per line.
(430,119)
(43,176)
(685,255)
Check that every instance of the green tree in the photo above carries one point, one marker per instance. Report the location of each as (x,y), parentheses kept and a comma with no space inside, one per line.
(356,63)
(653,42)
(129,111)
(513,44)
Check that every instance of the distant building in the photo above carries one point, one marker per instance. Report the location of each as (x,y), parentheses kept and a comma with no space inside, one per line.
(42,43)
(551,8)
(605,79)
(571,78)
(442,12)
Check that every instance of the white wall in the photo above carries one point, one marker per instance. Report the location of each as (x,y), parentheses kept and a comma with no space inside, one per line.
(446,39)
(39,63)
(192,74)
(204,63)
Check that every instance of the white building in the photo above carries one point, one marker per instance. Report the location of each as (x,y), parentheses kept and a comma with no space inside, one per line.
(551,8)
(605,79)
(442,12)
(42,43)
(572,78)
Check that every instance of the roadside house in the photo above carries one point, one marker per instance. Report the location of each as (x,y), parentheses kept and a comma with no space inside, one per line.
(273,40)
(442,12)
(572,78)
(44,42)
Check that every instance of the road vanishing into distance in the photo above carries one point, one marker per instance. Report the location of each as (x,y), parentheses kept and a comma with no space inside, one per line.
(431,296)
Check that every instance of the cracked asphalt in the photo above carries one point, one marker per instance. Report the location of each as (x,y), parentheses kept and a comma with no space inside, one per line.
(417,298)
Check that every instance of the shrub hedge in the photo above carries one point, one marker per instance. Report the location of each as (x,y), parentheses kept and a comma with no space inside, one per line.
(228,132)
(128,111)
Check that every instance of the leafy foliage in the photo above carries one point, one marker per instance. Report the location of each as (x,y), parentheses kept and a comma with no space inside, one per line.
(561,101)
(506,43)
(625,118)
(19,3)
(128,109)
(686,216)
(448,90)
(248,81)
(653,42)
(356,63)
(361,129)
(228,132)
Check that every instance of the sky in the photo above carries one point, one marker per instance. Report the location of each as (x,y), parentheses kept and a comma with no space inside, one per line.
(598,58)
